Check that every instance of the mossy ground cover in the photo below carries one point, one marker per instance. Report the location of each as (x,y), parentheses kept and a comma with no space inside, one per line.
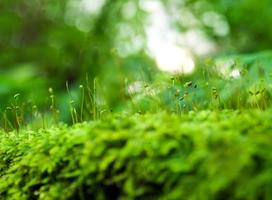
(197,155)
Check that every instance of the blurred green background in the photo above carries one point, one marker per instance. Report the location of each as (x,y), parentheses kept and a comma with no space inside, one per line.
(44,43)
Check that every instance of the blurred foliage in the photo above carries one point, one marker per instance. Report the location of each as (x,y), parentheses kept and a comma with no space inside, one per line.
(46,43)
(237,26)
(199,155)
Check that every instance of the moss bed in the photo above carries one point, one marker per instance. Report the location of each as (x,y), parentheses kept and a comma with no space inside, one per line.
(198,155)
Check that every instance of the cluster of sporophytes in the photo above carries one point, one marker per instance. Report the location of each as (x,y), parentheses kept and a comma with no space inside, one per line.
(207,88)
(199,155)
(86,103)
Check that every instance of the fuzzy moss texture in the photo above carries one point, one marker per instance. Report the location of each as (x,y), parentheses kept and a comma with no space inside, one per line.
(198,155)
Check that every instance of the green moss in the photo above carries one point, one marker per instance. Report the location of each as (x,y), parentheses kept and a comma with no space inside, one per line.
(199,155)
